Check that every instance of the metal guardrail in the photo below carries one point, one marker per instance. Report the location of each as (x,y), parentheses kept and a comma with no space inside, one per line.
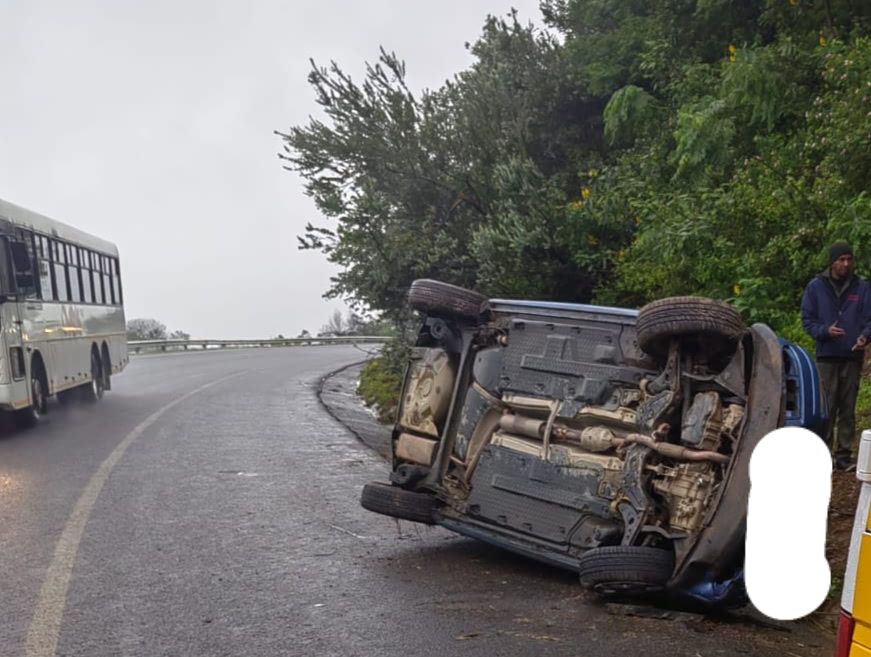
(143,346)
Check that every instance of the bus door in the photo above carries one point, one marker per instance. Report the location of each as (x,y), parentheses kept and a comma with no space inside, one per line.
(17,283)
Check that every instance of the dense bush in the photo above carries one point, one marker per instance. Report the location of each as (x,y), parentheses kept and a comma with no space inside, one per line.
(634,149)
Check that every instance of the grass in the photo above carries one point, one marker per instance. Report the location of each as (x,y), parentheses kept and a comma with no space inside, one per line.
(379,387)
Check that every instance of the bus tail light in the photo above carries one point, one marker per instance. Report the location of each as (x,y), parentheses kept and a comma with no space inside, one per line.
(845,634)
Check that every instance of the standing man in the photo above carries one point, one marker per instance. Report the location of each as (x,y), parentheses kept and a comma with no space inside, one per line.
(836,312)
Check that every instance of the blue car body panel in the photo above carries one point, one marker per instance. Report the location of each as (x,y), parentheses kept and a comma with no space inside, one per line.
(805,406)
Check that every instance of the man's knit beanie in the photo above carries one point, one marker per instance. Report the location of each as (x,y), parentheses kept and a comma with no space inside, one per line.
(838,249)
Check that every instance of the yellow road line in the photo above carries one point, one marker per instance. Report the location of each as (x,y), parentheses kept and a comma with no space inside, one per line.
(44,631)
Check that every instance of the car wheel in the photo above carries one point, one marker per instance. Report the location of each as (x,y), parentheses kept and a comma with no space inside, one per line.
(437,298)
(625,569)
(398,502)
(717,324)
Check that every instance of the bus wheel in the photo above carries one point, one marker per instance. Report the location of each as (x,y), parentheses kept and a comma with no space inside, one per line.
(106,363)
(30,416)
(94,390)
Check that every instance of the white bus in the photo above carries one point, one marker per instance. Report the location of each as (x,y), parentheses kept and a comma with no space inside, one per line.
(62,328)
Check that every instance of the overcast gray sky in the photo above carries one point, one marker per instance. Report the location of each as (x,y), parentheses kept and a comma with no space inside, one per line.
(150,124)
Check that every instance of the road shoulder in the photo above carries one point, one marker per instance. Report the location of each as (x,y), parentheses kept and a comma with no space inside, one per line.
(337,392)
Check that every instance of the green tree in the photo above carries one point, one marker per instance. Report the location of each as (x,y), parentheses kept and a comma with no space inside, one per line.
(378,167)
(641,149)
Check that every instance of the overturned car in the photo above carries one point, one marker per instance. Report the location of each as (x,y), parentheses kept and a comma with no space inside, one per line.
(612,442)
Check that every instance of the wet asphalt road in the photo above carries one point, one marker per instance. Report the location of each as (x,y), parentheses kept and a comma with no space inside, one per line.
(228,524)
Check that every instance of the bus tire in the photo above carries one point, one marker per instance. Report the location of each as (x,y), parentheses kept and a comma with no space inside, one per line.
(33,414)
(106,363)
(93,391)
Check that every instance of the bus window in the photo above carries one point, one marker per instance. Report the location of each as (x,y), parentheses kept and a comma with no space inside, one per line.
(22,252)
(107,283)
(37,266)
(80,273)
(43,269)
(112,284)
(73,273)
(100,295)
(95,281)
(116,282)
(60,280)
(48,246)
(87,281)
(45,280)
(60,272)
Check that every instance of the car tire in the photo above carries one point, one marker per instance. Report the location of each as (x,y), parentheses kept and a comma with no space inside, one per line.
(718,324)
(397,502)
(437,298)
(625,569)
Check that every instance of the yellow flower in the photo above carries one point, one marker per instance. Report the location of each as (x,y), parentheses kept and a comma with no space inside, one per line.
(737,290)
(592,240)
(794,3)
(733,52)
(823,41)
(585,192)
(621,254)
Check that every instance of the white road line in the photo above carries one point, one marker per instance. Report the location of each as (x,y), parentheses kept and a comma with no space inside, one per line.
(44,631)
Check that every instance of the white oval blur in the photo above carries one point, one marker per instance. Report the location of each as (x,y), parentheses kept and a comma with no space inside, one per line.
(786,571)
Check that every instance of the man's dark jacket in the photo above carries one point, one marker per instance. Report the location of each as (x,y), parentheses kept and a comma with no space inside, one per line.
(821,306)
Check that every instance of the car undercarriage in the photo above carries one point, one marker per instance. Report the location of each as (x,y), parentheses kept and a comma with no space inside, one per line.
(608,441)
